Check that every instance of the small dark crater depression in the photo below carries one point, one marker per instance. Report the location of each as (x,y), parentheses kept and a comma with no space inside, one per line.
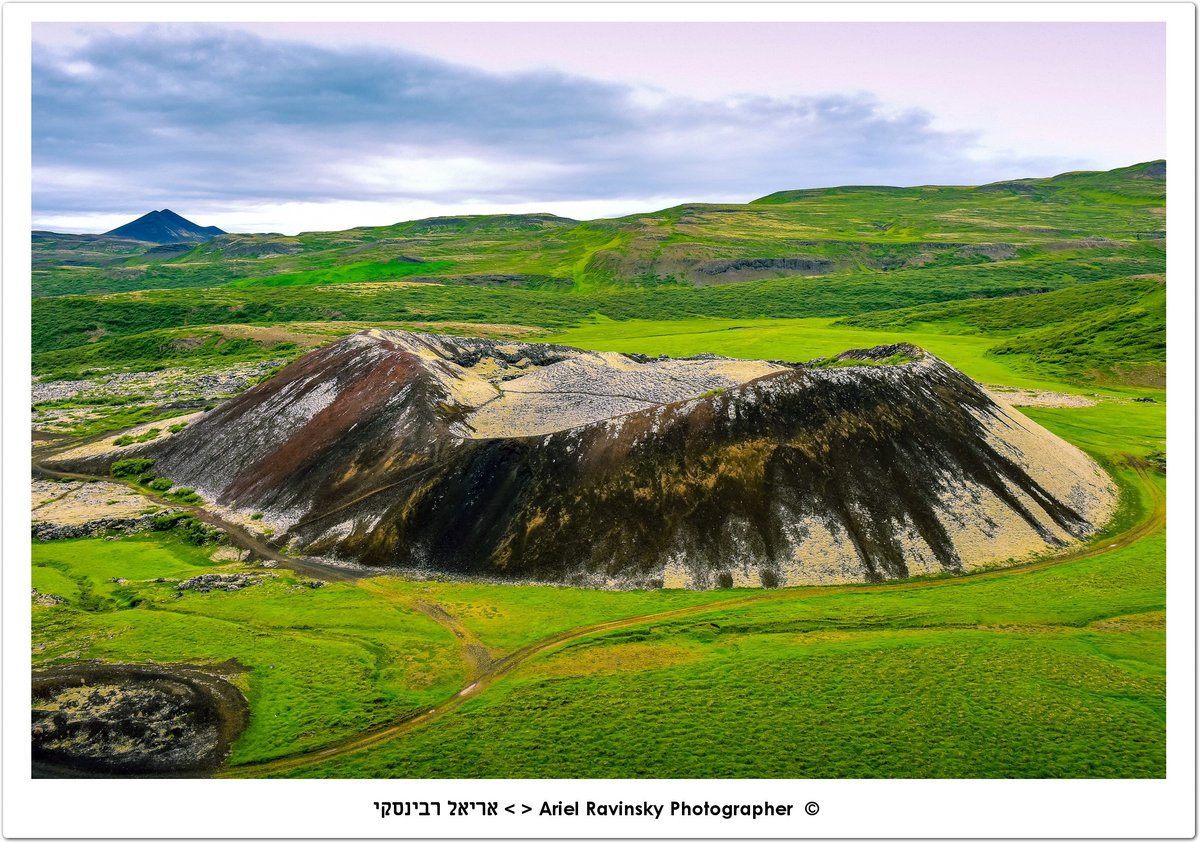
(104,721)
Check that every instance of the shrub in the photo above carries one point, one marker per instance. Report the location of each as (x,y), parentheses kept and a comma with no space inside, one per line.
(188,527)
(168,521)
(130,467)
(194,531)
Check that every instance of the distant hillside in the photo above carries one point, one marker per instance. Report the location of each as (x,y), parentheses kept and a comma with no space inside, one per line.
(1069,219)
(1144,181)
(165,226)
(1105,332)
(83,250)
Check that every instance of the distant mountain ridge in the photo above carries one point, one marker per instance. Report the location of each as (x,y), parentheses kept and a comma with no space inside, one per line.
(165,226)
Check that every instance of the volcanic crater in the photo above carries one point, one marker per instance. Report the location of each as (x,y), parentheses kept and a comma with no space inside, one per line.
(518,461)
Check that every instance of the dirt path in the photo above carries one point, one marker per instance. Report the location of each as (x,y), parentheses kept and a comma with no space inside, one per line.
(1154,521)
(476,655)
(477,658)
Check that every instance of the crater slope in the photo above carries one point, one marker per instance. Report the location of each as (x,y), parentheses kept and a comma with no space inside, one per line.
(534,462)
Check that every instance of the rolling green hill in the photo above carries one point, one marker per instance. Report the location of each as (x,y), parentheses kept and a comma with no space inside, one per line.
(789,234)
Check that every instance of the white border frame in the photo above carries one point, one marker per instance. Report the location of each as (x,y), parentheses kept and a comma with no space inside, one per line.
(849,808)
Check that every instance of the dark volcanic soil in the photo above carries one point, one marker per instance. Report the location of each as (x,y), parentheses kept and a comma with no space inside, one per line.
(109,721)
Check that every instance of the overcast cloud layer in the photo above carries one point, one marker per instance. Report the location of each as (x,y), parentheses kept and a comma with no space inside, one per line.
(254,134)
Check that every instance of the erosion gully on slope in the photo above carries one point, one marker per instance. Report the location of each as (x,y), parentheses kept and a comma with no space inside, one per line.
(482,670)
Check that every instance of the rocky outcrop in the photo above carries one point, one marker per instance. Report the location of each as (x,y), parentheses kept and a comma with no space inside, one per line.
(204,583)
(50,531)
(523,461)
(43,599)
(76,510)
(746,268)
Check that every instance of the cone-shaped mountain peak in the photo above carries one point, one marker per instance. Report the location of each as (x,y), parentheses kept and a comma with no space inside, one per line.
(166,226)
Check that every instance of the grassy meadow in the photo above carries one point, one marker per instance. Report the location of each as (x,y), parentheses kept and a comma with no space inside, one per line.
(1052,669)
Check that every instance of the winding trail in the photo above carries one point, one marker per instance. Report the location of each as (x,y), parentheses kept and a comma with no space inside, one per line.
(476,685)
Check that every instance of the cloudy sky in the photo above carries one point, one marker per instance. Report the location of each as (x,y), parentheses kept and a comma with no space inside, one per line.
(291,127)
